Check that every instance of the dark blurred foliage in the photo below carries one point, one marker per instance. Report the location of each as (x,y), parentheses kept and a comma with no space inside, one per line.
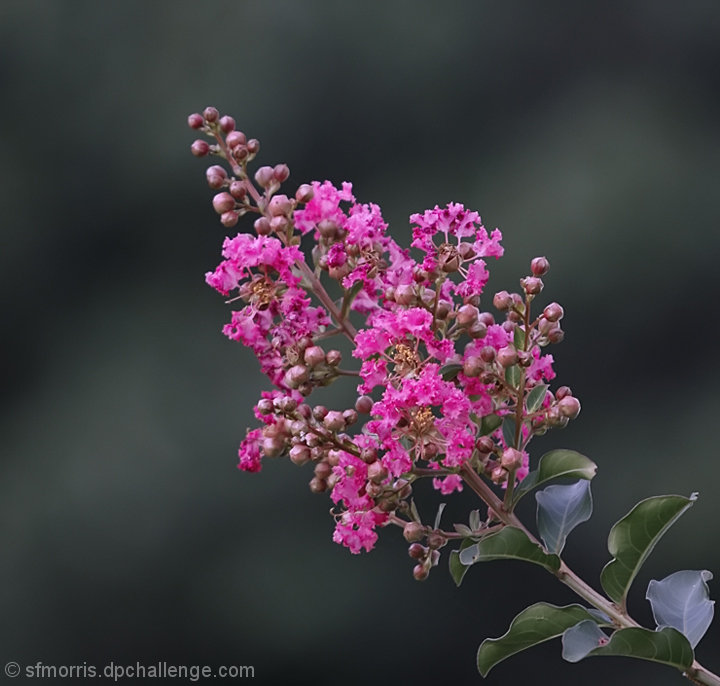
(587,132)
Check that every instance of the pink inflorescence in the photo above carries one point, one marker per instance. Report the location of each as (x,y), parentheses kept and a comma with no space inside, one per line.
(444,389)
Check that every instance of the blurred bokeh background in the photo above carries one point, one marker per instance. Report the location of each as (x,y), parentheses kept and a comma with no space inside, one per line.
(588,132)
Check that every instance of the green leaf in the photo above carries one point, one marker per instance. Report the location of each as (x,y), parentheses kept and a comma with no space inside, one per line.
(457,568)
(474,520)
(555,465)
(535,398)
(512,375)
(535,624)
(633,538)
(682,600)
(519,338)
(489,423)
(560,509)
(509,543)
(508,431)
(450,371)
(438,516)
(666,646)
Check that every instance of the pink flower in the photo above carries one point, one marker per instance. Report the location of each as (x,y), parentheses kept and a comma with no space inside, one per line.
(249,452)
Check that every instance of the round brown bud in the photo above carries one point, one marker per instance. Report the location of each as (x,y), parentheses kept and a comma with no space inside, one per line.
(319,412)
(539,266)
(404,294)
(318,485)
(350,417)
(300,454)
(485,445)
(487,354)
(486,318)
(216,176)
(556,335)
(507,356)
(532,285)
(472,366)
(199,148)
(569,407)
(553,312)
(413,531)
(314,355)
(211,115)
(238,190)
(227,124)
(323,470)
(304,193)
(253,146)
(417,551)
(563,392)
(364,404)
(229,219)
(435,540)
(333,421)
(281,172)
(279,205)
(420,572)
(195,121)
(377,472)
(223,202)
(296,375)
(502,300)
(333,357)
(511,459)
(235,138)
(262,226)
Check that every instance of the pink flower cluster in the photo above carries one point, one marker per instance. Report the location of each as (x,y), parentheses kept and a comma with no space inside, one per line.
(443,387)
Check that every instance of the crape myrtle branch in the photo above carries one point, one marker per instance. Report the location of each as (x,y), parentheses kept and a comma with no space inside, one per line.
(448,390)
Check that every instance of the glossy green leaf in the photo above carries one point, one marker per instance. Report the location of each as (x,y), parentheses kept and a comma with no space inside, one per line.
(450,371)
(682,600)
(489,423)
(535,624)
(508,430)
(457,568)
(560,509)
(666,646)
(519,338)
(535,398)
(633,538)
(555,465)
(509,543)
(512,375)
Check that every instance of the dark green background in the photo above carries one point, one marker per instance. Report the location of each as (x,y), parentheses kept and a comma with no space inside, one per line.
(587,132)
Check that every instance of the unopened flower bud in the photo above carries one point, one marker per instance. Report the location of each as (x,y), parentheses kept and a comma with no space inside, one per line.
(485,445)
(318,485)
(507,356)
(264,176)
(211,115)
(223,202)
(334,421)
(498,475)
(195,121)
(511,459)
(436,540)
(486,318)
(487,354)
(333,357)
(477,330)
(544,326)
(296,375)
(279,205)
(281,172)
(417,551)
(200,148)
(569,407)
(404,294)
(413,531)
(253,146)
(238,190)
(553,312)
(229,219)
(467,315)
(262,226)
(563,392)
(299,454)
(265,406)
(502,300)
(539,266)
(304,193)
(532,285)
(273,446)
(556,335)
(319,412)
(364,404)
(350,417)
(472,366)
(314,355)
(377,472)
(227,124)
(235,138)
(279,224)
(420,572)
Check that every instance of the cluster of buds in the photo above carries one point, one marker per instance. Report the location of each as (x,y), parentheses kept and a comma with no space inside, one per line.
(444,389)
